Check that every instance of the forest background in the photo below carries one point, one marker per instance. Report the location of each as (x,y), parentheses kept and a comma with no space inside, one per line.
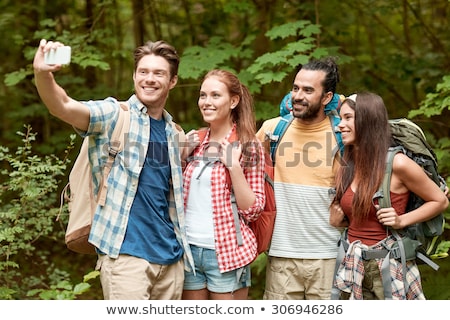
(396,48)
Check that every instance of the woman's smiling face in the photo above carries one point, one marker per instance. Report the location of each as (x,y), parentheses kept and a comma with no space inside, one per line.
(215,102)
(347,124)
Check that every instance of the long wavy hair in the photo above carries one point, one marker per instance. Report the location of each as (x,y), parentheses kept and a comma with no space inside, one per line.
(365,159)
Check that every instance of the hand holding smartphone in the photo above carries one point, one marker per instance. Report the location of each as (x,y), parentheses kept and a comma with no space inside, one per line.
(60,55)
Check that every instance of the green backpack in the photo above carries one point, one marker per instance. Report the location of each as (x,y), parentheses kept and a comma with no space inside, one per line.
(409,138)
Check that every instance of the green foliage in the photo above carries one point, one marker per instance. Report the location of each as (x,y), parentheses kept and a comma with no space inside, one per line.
(276,66)
(264,70)
(27,193)
(13,78)
(268,68)
(435,102)
(84,53)
(436,283)
(258,268)
(442,250)
(237,6)
(297,28)
(64,289)
(196,60)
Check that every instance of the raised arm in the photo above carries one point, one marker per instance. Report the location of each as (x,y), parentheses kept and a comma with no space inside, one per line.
(54,96)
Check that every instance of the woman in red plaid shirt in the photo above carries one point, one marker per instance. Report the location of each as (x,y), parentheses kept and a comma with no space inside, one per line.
(225,160)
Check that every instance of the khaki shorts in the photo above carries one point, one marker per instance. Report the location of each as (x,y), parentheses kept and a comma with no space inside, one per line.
(131,278)
(299,279)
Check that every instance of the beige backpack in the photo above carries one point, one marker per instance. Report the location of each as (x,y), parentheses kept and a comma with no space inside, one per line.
(79,192)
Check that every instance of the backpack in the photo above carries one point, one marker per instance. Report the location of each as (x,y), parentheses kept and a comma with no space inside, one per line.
(263,226)
(331,110)
(409,138)
(82,203)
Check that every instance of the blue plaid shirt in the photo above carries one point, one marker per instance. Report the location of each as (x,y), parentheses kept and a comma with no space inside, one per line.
(110,221)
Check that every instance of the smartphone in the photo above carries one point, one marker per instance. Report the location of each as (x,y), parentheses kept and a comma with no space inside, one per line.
(60,55)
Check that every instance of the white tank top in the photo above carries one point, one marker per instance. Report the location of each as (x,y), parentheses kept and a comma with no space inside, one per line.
(199,220)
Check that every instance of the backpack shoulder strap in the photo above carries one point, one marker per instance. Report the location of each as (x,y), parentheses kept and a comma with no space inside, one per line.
(335,119)
(332,111)
(117,143)
(202,133)
(286,104)
(278,133)
(383,194)
(122,126)
(384,201)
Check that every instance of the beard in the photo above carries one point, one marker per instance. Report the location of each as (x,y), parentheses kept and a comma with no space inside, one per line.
(308,111)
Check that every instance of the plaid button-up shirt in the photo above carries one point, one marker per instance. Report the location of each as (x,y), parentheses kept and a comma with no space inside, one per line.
(110,221)
(231,256)
(350,273)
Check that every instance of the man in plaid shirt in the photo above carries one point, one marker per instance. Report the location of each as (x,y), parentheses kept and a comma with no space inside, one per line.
(140,231)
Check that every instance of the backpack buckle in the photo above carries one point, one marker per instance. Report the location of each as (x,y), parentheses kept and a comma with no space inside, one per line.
(112,152)
(395,253)
(272,137)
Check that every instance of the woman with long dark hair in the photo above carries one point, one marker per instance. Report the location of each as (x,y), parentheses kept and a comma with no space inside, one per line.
(366,135)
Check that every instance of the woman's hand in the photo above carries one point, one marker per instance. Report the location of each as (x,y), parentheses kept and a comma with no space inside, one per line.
(192,141)
(389,217)
(337,216)
(230,153)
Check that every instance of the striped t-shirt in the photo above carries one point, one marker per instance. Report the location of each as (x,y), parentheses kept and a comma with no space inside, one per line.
(304,172)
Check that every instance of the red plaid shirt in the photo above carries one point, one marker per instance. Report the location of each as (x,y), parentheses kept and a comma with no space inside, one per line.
(231,256)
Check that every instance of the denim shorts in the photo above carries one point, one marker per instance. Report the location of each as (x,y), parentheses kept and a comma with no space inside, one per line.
(208,274)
